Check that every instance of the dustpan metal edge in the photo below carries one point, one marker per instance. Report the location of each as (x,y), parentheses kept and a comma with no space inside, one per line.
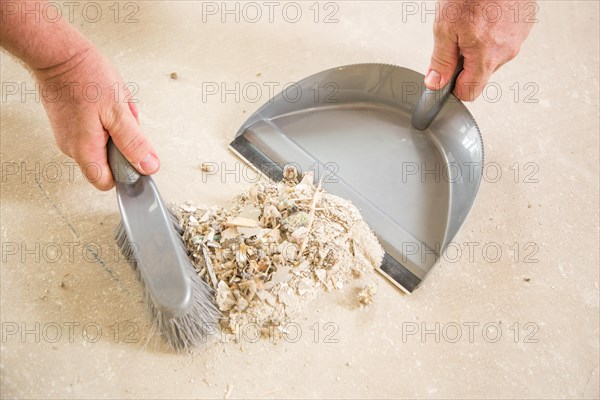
(390,267)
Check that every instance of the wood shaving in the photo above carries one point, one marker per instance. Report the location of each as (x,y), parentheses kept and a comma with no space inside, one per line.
(228,392)
(275,248)
(365,296)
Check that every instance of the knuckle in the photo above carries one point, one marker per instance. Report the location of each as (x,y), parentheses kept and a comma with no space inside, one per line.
(442,60)
(487,65)
(113,117)
(133,144)
(513,52)
(439,29)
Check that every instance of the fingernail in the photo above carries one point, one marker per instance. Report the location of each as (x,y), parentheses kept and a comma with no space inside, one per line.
(433,78)
(149,164)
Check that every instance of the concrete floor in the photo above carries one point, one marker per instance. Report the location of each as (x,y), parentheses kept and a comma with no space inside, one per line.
(544,220)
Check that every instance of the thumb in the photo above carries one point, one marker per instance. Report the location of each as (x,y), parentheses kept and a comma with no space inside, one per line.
(443,62)
(129,139)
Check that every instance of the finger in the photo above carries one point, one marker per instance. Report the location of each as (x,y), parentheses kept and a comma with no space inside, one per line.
(443,62)
(91,157)
(134,111)
(132,107)
(129,139)
(472,80)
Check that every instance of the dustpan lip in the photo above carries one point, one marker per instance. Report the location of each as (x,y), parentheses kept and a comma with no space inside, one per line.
(452,98)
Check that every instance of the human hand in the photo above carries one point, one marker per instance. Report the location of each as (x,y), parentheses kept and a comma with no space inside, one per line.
(87,101)
(487,33)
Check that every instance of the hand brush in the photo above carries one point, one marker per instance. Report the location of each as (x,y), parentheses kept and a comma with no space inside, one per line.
(149,236)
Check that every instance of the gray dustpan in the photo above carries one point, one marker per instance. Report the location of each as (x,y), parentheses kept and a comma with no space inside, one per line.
(352,127)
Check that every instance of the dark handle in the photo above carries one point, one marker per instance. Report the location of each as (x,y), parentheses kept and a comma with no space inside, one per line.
(431,101)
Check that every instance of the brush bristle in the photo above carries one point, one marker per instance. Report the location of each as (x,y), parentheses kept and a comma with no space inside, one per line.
(189,331)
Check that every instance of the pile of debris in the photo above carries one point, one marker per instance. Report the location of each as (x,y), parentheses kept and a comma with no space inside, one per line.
(276,247)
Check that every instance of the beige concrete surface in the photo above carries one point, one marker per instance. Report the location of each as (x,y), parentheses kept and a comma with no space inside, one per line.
(73,325)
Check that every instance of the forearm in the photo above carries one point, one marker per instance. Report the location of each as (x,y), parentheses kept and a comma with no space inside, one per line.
(42,44)
(61,59)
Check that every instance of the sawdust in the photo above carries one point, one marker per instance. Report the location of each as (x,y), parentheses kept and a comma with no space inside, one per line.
(275,248)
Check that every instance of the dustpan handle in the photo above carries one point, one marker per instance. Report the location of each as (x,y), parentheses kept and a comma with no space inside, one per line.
(121,169)
(431,101)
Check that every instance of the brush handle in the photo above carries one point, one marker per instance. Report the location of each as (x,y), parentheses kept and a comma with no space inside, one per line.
(431,101)
(121,169)
(148,235)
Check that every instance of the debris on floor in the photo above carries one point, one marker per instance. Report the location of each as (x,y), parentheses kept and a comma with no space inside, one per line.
(228,392)
(173,75)
(277,247)
(365,296)
(206,167)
